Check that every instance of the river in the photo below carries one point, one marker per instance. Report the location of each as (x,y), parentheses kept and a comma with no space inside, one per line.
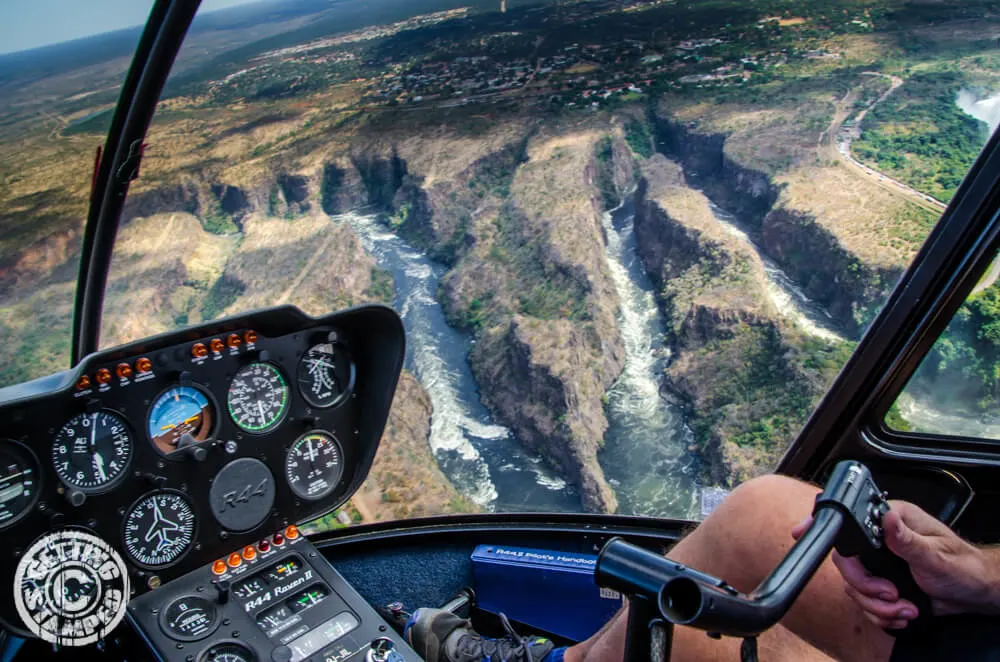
(482,459)
(645,455)
(787,297)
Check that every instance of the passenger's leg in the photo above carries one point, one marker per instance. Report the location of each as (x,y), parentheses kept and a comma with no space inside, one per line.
(741,542)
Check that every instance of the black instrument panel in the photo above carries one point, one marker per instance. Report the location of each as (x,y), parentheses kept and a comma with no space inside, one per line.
(180,448)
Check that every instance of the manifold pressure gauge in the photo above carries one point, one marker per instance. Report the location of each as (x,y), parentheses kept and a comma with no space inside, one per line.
(258,397)
(314,465)
(71,588)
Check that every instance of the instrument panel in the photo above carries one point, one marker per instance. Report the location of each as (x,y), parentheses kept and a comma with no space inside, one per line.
(177,449)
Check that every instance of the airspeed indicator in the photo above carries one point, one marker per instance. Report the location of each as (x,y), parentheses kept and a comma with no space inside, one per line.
(92,450)
(258,397)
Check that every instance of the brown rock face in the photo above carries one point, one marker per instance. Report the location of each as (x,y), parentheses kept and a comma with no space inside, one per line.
(405,480)
(749,378)
(529,373)
(836,264)
(830,274)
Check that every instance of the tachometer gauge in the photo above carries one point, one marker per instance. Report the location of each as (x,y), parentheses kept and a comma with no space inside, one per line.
(258,397)
(182,415)
(158,528)
(71,588)
(18,482)
(325,375)
(92,450)
(314,465)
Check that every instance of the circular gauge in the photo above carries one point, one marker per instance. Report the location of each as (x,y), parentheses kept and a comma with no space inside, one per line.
(92,450)
(18,482)
(258,397)
(325,375)
(314,465)
(181,416)
(158,528)
(71,588)
(228,652)
(190,618)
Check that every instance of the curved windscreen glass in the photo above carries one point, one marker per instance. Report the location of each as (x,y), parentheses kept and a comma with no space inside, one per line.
(632,241)
(61,66)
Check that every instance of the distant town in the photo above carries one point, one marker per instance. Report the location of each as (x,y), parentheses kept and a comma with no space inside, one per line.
(453,70)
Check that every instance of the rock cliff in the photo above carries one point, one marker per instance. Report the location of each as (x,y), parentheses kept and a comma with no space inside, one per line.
(748,377)
(802,212)
(405,480)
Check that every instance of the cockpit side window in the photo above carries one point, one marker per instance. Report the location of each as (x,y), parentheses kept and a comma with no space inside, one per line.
(956,390)
(59,81)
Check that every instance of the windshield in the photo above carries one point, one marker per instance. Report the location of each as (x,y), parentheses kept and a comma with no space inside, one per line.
(632,241)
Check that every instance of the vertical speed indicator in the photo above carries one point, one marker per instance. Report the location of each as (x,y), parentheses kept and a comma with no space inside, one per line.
(258,397)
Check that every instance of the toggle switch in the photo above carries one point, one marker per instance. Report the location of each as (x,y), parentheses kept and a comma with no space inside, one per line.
(222,587)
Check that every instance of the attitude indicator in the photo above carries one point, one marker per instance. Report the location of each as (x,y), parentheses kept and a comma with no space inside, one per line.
(180,417)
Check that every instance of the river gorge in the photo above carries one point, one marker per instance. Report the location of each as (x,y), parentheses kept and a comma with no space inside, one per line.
(648,452)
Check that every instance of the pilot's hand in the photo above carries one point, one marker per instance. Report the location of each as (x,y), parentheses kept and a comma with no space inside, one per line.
(957,576)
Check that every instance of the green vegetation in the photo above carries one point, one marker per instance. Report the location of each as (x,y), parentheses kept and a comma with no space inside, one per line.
(919,136)
(382,288)
(216,221)
(546,290)
(494,174)
(331,521)
(223,293)
(605,177)
(273,201)
(97,123)
(894,419)
(962,369)
(755,397)
(639,138)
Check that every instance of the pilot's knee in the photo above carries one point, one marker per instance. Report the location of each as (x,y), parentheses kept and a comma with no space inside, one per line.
(771,495)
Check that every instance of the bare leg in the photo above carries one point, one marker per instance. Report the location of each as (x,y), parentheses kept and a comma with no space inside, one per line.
(742,542)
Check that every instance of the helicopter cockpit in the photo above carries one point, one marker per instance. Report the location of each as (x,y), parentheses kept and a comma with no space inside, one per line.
(498,360)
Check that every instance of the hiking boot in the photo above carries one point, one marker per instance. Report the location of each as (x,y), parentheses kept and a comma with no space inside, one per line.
(441,636)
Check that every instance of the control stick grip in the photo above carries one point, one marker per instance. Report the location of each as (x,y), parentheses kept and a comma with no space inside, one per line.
(883,563)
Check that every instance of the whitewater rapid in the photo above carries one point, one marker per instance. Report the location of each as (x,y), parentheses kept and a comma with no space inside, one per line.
(786,296)
(645,456)
(482,459)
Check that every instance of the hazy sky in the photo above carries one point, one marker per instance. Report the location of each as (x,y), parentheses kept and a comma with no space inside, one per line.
(29,23)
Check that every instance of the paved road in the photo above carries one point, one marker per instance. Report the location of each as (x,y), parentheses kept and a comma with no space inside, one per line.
(844,138)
